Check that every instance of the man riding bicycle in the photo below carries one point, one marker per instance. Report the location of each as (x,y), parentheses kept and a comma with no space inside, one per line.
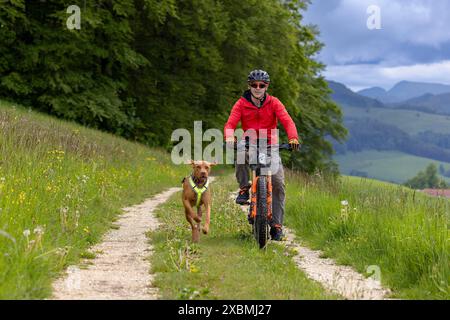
(259,111)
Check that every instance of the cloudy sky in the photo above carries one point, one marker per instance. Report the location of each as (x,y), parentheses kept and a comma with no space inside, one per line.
(413,42)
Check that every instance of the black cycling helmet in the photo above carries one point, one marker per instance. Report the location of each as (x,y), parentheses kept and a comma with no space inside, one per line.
(259,75)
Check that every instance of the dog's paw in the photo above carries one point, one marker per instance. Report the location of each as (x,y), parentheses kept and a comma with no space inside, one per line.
(205,229)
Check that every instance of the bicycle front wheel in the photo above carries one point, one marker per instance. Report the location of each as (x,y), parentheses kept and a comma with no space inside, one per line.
(261,228)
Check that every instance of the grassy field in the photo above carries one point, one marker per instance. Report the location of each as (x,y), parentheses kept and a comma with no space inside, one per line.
(411,122)
(405,233)
(226,264)
(61,186)
(390,166)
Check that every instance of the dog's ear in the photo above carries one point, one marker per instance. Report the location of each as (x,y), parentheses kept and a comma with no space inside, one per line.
(189,162)
(212,164)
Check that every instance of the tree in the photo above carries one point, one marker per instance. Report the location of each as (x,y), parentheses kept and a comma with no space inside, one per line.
(74,74)
(142,68)
(427,179)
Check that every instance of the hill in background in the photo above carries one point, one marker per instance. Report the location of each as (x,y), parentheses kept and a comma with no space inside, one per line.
(429,103)
(392,141)
(404,90)
(346,97)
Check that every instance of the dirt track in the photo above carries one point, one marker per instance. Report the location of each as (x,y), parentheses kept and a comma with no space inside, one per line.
(342,280)
(121,268)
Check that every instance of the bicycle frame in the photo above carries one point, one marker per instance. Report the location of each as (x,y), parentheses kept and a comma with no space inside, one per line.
(261,220)
(254,190)
(260,209)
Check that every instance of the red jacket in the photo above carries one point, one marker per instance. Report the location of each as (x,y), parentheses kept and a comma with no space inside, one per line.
(264,117)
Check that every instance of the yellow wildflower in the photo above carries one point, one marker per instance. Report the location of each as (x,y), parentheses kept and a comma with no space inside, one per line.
(22,197)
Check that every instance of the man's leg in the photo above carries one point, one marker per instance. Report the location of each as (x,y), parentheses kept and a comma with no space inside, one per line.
(278,197)
(242,175)
(242,167)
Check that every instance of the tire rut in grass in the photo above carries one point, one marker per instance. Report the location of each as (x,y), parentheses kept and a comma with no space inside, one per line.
(121,269)
(339,279)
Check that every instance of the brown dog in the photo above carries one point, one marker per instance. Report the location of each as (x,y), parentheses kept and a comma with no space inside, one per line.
(196,194)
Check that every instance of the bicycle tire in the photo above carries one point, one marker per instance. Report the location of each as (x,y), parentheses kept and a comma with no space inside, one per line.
(261,224)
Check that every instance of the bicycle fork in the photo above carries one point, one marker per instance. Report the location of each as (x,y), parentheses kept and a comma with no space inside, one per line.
(253,200)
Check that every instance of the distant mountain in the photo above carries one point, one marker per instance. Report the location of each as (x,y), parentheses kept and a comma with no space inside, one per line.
(385,137)
(346,97)
(374,93)
(405,90)
(438,104)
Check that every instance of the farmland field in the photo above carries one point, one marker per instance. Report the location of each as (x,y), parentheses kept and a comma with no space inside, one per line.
(390,166)
(412,122)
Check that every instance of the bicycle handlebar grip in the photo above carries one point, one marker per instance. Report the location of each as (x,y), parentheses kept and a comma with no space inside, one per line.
(285,146)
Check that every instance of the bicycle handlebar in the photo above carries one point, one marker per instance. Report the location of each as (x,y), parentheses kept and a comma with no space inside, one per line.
(283,146)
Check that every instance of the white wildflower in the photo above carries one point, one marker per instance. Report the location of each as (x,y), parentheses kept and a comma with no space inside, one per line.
(84,178)
(38,230)
(344,203)
(26,233)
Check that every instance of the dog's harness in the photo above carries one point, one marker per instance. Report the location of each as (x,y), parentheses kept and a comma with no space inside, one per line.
(197,190)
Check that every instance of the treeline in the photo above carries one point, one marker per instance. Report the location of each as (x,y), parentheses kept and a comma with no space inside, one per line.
(427,179)
(142,68)
(441,109)
(439,139)
(443,172)
(366,133)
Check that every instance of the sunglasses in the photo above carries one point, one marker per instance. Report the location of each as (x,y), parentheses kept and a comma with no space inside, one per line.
(258,86)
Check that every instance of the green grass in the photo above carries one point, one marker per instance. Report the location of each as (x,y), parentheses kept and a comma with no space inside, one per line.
(404,233)
(390,166)
(61,187)
(226,264)
(412,122)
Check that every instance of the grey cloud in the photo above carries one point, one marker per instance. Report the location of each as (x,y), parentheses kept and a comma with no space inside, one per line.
(412,31)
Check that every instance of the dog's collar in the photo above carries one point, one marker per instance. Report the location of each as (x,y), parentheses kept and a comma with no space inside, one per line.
(199,191)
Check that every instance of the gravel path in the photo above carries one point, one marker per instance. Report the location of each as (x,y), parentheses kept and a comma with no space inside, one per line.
(339,279)
(343,280)
(121,269)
